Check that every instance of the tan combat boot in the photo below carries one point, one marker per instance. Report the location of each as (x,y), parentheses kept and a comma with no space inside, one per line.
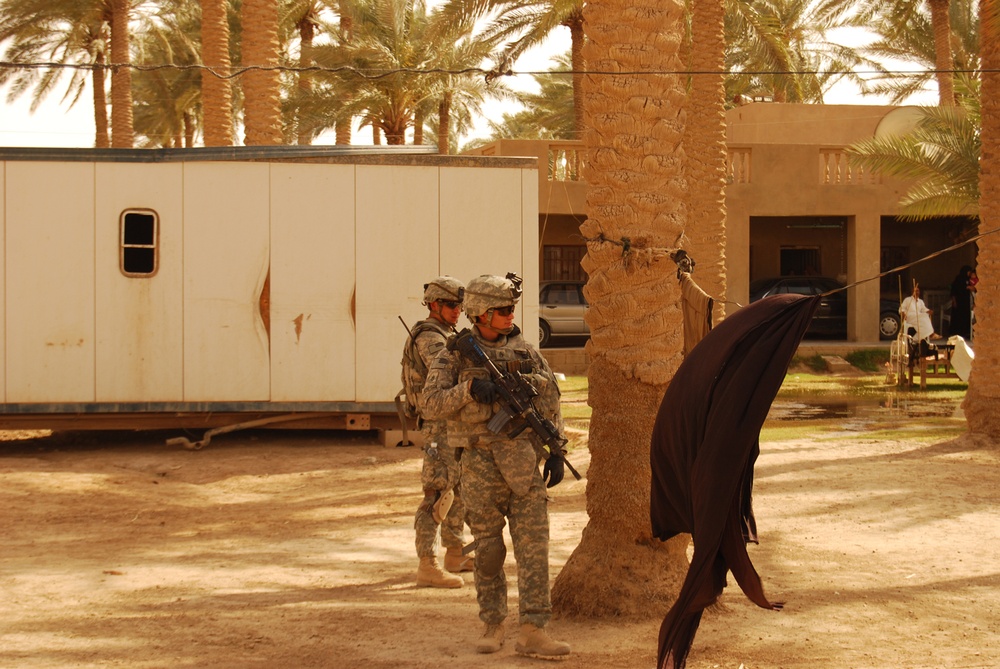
(535,642)
(492,639)
(455,562)
(430,575)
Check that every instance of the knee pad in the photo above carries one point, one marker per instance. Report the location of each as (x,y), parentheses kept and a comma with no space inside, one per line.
(490,555)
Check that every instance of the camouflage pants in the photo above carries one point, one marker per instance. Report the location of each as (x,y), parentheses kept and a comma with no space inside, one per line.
(490,502)
(440,473)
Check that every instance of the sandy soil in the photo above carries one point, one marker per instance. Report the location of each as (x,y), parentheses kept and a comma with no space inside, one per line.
(295,549)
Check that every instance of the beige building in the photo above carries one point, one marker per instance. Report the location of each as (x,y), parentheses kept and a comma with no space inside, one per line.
(794,206)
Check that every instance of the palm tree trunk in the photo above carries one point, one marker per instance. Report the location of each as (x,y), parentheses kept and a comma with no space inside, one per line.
(261,87)
(636,191)
(444,124)
(342,129)
(982,401)
(188,130)
(418,127)
(394,128)
(705,148)
(578,63)
(943,61)
(307,30)
(122,134)
(216,93)
(100,103)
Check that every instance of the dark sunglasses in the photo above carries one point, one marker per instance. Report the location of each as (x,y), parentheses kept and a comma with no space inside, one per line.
(451,304)
(504,311)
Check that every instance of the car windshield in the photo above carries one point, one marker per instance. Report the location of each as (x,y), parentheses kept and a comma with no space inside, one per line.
(760,285)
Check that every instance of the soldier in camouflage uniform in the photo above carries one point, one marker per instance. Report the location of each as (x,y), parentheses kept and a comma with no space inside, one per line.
(500,475)
(440,476)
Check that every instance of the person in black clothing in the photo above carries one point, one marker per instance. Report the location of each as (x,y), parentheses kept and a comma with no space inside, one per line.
(961,303)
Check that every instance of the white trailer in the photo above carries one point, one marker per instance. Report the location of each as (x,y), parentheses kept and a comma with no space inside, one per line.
(201,288)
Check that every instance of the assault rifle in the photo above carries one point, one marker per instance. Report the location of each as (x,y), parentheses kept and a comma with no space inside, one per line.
(514,394)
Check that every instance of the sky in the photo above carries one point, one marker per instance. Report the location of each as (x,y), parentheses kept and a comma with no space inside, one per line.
(55,124)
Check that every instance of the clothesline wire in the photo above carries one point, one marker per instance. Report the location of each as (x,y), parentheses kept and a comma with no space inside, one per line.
(626,244)
(908,265)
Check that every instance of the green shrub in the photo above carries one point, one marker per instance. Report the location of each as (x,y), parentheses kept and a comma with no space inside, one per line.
(814,362)
(868,360)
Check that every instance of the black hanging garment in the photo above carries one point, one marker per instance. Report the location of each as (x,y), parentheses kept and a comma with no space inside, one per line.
(703,449)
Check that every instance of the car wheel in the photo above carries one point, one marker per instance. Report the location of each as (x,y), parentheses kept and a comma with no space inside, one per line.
(888,325)
(544,334)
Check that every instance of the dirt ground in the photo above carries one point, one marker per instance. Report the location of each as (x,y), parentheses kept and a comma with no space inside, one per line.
(295,549)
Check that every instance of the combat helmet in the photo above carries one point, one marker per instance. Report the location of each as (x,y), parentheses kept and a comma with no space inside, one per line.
(489,291)
(444,288)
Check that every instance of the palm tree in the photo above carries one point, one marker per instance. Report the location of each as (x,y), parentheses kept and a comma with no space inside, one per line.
(304,19)
(374,72)
(760,36)
(345,35)
(317,101)
(942,50)
(261,85)
(705,146)
(773,49)
(547,114)
(216,91)
(524,24)
(898,14)
(941,155)
(982,400)
(914,43)
(68,32)
(122,133)
(167,101)
(458,96)
(637,192)
(384,39)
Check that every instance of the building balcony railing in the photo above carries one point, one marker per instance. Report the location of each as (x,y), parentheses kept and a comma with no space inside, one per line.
(565,160)
(738,165)
(765,167)
(835,170)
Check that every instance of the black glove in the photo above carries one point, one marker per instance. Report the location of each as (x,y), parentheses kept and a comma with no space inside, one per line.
(552,472)
(483,391)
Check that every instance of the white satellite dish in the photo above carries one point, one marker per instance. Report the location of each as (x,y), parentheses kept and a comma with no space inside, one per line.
(899,121)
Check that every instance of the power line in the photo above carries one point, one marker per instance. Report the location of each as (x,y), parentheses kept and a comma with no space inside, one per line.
(490,74)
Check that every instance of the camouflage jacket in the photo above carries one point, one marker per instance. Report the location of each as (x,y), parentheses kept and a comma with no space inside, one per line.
(430,341)
(446,393)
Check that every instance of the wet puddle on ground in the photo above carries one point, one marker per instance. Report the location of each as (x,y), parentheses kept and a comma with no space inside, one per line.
(863,410)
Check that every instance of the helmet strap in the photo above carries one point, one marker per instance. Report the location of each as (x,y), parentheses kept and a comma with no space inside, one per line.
(484,323)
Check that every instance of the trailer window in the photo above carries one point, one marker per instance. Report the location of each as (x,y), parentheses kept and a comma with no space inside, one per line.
(140,230)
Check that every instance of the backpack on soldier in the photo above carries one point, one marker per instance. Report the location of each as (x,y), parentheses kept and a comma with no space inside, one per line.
(414,372)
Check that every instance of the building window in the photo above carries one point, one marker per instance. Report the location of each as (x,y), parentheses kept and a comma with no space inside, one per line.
(799,261)
(140,233)
(562,263)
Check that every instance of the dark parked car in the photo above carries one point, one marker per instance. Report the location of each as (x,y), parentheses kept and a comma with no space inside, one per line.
(831,316)
(561,308)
